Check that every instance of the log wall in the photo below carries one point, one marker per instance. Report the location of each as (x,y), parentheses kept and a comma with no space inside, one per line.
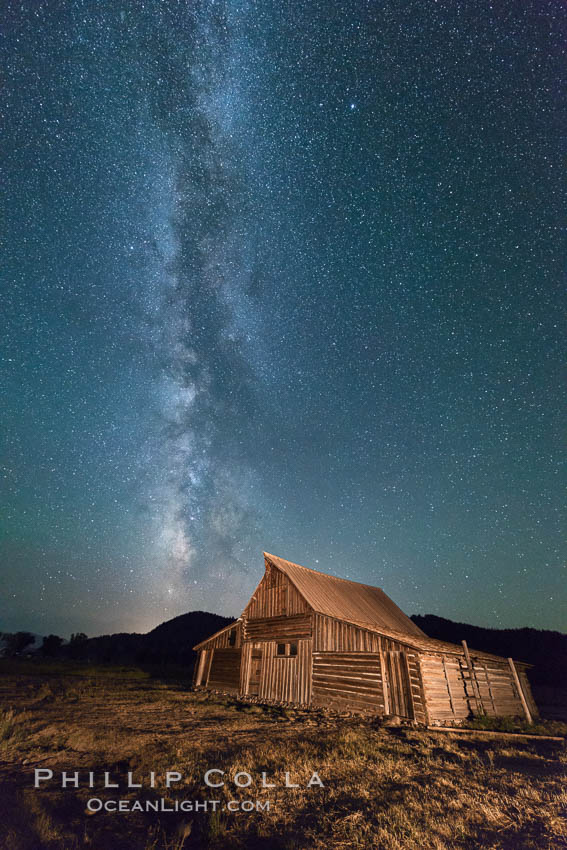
(402,674)
(348,681)
(278,628)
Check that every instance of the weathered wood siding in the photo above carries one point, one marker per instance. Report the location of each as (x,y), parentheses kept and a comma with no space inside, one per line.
(275,596)
(245,667)
(452,693)
(225,670)
(350,667)
(222,640)
(498,691)
(284,678)
(348,680)
(398,664)
(278,628)
(395,673)
(489,689)
(417,692)
(332,634)
(446,694)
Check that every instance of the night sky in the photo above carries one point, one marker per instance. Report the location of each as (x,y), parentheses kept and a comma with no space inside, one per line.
(281,275)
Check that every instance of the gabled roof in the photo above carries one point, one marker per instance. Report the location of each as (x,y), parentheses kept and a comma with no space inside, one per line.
(346,600)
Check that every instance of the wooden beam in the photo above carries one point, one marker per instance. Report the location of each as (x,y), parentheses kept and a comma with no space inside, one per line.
(404,672)
(385,678)
(474,682)
(489,687)
(451,701)
(520,690)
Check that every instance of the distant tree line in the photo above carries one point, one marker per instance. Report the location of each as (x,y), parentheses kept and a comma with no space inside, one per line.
(16,643)
(168,645)
(21,643)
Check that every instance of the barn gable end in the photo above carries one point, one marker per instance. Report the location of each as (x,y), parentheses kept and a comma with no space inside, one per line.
(275,596)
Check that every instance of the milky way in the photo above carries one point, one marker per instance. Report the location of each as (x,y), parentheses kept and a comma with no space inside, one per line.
(281,276)
(203,501)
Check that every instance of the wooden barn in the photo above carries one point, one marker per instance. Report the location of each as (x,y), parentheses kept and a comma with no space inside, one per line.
(311,639)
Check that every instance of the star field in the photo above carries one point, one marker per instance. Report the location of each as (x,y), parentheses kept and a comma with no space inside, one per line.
(281,276)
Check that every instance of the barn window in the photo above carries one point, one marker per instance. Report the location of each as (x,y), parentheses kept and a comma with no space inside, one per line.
(232,637)
(286,649)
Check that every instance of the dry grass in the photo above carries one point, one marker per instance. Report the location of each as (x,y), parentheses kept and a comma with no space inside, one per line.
(389,789)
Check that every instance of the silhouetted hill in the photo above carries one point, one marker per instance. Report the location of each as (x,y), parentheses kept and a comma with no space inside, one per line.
(170,643)
(176,638)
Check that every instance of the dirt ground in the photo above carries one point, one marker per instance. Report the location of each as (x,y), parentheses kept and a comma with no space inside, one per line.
(390,788)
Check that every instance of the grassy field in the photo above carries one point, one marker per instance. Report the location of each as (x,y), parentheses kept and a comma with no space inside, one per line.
(390,788)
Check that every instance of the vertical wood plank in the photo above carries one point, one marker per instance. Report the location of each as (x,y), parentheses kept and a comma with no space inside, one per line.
(447,680)
(474,683)
(207,665)
(406,685)
(198,674)
(385,681)
(520,690)
(489,687)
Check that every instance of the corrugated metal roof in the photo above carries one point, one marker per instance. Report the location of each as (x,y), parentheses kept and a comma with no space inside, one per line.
(344,599)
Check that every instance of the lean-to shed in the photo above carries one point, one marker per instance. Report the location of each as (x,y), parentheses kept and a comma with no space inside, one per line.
(308,638)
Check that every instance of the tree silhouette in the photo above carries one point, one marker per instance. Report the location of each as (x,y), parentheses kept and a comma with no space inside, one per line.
(17,642)
(51,644)
(78,637)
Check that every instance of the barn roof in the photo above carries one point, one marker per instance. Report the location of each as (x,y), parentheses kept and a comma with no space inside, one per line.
(345,599)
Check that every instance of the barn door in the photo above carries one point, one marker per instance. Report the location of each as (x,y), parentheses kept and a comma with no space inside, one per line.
(255,672)
(398,683)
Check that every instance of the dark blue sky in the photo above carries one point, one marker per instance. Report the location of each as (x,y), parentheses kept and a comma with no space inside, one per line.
(282,276)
